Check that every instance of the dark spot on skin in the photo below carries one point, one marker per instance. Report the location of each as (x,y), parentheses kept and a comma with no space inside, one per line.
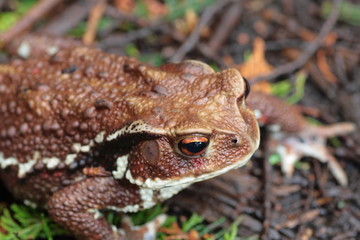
(301,139)
(103,103)
(160,90)
(23,90)
(56,59)
(70,69)
(150,151)
(126,68)
(314,137)
(150,94)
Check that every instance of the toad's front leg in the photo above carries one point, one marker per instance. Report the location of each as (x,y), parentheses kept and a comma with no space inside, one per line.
(77,206)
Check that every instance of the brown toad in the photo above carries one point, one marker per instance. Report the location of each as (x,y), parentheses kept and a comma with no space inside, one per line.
(83,131)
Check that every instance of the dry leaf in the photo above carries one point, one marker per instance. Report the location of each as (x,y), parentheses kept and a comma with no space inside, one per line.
(291,53)
(125,5)
(330,39)
(324,67)
(256,66)
(155,8)
(174,229)
(94,17)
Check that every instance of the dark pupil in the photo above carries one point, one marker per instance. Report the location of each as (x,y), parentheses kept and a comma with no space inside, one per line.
(195,147)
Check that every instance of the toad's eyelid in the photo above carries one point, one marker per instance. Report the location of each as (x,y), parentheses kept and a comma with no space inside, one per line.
(194,139)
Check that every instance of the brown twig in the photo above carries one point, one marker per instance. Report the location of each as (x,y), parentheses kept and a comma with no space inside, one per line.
(114,13)
(28,20)
(309,50)
(1,3)
(227,23)
(94,17)
(307,204)
(267,192)
(119,40)
(69,18)
(193,39)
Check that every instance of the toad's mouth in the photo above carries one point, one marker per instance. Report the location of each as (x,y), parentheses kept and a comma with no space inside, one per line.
(157,183)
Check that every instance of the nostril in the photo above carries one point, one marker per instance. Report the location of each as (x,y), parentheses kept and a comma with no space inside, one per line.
(235,141)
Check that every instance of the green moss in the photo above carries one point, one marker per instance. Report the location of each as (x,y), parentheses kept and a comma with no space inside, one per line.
(8,19)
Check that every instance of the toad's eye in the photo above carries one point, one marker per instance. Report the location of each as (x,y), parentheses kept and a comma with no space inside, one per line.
(193,146)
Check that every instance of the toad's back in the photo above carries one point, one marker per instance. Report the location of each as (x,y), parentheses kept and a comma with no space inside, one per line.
(48,105)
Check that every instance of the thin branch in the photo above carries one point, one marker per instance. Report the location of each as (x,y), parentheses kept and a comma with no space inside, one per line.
(93,20)
(307,204)
(193,39)
(267,180)
(68,18)
(309,50)
(226,25)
